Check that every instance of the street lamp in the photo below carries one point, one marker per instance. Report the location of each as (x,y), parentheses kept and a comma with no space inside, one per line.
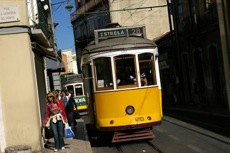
(68,6)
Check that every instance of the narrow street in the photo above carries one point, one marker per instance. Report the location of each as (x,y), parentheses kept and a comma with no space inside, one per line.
(175,136)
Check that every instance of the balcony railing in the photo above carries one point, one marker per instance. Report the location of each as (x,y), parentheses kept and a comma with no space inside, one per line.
(44,24)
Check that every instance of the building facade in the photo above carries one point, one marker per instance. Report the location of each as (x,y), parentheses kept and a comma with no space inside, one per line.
(198,60)
(26,40)
(70,61)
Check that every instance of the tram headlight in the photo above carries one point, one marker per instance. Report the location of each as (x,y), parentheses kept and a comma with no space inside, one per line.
(129,110)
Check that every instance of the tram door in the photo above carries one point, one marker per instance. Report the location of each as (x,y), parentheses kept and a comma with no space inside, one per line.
(88,90)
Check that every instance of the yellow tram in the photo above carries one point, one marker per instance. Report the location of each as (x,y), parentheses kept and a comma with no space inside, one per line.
(122,83)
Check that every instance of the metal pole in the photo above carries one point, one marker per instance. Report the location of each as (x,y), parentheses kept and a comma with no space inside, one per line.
(224,24)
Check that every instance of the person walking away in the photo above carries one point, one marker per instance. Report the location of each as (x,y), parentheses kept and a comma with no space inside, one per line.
(55,119)
(64,98)
(70,109)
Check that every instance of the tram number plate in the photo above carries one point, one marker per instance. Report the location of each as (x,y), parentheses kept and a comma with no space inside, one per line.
(135,31)
(139,119)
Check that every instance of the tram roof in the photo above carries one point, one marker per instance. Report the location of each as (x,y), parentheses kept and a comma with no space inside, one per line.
(120,43)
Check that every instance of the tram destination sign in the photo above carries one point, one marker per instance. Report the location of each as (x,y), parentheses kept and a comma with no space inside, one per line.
(119,32)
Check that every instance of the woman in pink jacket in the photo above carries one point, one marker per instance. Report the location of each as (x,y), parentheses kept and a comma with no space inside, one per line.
(55,118)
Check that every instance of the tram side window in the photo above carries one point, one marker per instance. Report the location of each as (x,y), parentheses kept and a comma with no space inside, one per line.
(70,88)
(147,69)
(103,73)
(125,70)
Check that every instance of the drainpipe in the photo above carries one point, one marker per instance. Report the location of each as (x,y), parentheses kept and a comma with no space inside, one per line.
(224,24)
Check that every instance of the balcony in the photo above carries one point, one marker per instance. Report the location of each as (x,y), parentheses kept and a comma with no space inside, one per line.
(43,31)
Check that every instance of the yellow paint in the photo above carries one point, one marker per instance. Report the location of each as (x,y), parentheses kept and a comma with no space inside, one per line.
(111,106)
(82,107)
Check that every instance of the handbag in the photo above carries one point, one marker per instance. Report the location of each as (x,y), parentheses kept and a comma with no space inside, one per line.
(48,133)
(77,114)
(68,132)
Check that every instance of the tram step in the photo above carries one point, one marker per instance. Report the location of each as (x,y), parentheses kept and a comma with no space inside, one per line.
(127,136)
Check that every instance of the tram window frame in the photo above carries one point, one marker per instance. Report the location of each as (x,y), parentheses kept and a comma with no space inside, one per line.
(122,57)
(75,89)
(150,60)
(103,80)
(70,88)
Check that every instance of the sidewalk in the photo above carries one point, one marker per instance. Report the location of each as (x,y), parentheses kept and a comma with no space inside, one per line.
(80,144)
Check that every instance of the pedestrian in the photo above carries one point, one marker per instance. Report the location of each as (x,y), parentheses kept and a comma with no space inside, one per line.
(64,98)
(70,107)
(55,119)
(57,92)
(60,104)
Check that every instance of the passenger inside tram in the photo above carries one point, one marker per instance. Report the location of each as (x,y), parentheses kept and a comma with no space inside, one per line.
(124,78)
(144,81)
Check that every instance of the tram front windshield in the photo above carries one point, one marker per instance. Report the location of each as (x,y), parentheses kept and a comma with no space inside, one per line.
(125,70)
(78,90)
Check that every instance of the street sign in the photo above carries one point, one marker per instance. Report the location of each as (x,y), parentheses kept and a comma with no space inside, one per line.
(9,13)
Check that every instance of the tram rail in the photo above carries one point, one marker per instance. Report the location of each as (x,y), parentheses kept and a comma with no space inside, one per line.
(145,147)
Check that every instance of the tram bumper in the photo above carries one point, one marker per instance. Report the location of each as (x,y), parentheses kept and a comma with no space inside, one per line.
(132,135)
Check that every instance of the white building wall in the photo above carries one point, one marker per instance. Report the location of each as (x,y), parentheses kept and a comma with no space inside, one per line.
(22,121)
(155,19)
(20,124)
(74,63)
(71,61)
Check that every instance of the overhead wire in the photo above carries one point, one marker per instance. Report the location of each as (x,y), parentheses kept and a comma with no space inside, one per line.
(133,13)
(146,17)
(124,9)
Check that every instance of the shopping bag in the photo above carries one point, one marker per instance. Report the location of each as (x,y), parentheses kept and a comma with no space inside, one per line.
(48,133)
(68,132)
